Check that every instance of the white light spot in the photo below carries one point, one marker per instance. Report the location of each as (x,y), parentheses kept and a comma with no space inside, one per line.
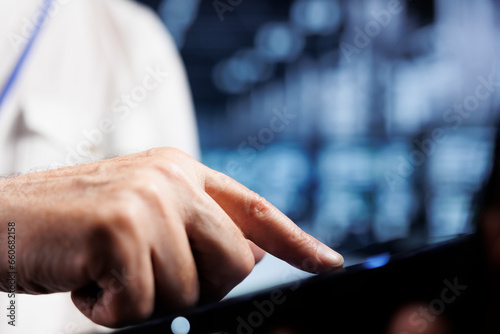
(180,325)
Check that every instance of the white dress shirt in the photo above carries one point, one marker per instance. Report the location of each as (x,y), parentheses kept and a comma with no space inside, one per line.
(103,79)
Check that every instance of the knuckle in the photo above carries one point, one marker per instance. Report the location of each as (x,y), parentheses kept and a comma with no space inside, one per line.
(158,151)
(142,193)
(258,207)
(163,167)
(172,170)
(176,177)
(125,214)
(118,220)
(165,152)
(171,162)
(144,188)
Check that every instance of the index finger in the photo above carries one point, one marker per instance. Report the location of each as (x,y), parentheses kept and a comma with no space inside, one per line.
(269,228)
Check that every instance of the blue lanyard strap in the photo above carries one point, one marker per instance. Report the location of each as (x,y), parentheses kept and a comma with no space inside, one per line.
(22,59)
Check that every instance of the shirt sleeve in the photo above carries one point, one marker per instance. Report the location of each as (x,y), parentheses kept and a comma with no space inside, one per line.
(155,108)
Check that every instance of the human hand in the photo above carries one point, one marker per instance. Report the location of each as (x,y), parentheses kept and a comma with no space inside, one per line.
(146,232)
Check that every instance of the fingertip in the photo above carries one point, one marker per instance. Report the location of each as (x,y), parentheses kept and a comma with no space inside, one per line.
(330,258)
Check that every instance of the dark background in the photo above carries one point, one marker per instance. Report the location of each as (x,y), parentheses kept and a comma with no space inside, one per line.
(374,151)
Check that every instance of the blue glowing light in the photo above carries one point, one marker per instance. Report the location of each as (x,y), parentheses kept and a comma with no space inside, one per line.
(316,16)
(377,261)
(278,42)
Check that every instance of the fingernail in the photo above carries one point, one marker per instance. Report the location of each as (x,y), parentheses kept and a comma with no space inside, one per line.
(329,257)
